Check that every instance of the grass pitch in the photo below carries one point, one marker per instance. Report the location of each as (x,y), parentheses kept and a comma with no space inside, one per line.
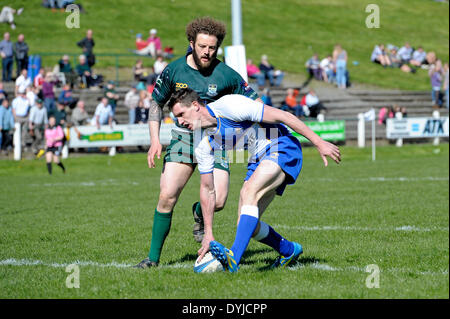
(392,213)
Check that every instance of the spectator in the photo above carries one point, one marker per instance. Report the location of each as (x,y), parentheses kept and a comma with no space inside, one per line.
(431,60)
(54,136)
(419,57)
(398,62)
(87,44)
(6,125)
(154,42)
(275,76)
(154,47)
(31,95)
(59,114)
(112,96)
(37,124)
(48,92)
(328,67)
(103,114)
(313,67)
(21,54)
(290,102)
(140,44)
(59,4)
(131,102)
(3,94)
(66,68)
(20,109)
(266,98)
(6,52)
(384,114)
(168,52)
(7,16)
(340,60)
(141,75)
(380,56)
(159,65)
(403,111)
(66,97)
(84,72)
(435,74)
(311,104)
(79,115)
(39,79)
(405,53)
(254,72)
(143,107)
(23,81)
(445,86)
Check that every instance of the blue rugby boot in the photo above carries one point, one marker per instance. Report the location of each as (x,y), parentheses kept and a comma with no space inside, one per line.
(224,255)
(282,261)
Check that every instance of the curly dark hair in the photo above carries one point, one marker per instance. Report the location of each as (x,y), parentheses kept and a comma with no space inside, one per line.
(206,25)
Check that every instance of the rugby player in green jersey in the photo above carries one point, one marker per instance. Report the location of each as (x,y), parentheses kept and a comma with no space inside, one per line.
(201,71)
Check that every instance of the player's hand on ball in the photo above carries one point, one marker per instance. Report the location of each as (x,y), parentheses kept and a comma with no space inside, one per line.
(328,149)
(155,149)
(205,246)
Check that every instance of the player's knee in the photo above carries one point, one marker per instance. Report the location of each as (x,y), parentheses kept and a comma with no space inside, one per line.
(167,200)
(220,204)
(248,195)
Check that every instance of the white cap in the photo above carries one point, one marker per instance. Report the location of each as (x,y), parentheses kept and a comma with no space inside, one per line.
(153,31)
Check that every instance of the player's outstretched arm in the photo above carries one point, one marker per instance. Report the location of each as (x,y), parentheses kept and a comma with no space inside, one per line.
(154,123)
(208,203)
(273,115)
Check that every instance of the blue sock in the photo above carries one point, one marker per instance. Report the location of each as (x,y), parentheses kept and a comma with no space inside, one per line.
(268,236)
(246,227)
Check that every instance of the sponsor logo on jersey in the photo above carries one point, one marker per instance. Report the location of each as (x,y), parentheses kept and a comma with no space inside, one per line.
(179,86)
(212,90)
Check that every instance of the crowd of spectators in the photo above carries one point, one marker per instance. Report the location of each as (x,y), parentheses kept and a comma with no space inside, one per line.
(309,106)
(406,58)
(390,112)
(331,69)
(409,60)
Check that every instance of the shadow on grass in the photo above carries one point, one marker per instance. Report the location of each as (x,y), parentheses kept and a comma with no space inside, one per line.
(301,262)
(248,260)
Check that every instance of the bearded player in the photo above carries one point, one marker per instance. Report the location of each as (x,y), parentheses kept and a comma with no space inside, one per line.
(201,71)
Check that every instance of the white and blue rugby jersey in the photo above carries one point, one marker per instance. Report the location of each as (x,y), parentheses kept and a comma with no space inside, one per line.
(239,123)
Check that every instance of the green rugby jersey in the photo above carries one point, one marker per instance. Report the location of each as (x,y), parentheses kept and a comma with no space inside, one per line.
(219,81)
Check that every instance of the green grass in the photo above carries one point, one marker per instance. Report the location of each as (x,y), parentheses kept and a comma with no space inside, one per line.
(289,31)
(346,216)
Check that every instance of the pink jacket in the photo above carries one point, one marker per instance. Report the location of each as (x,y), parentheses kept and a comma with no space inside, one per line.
(54,133)
(156,41)
(252,69)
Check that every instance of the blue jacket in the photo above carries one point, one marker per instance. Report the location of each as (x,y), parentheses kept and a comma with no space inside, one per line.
(6,118)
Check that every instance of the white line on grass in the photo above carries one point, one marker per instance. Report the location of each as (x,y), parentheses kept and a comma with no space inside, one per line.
(407,228)
(315,265)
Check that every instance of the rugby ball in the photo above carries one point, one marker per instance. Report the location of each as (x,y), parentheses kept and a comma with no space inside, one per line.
(209,263)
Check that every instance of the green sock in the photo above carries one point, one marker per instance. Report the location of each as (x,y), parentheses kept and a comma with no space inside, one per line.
(161,227)
(198,209)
